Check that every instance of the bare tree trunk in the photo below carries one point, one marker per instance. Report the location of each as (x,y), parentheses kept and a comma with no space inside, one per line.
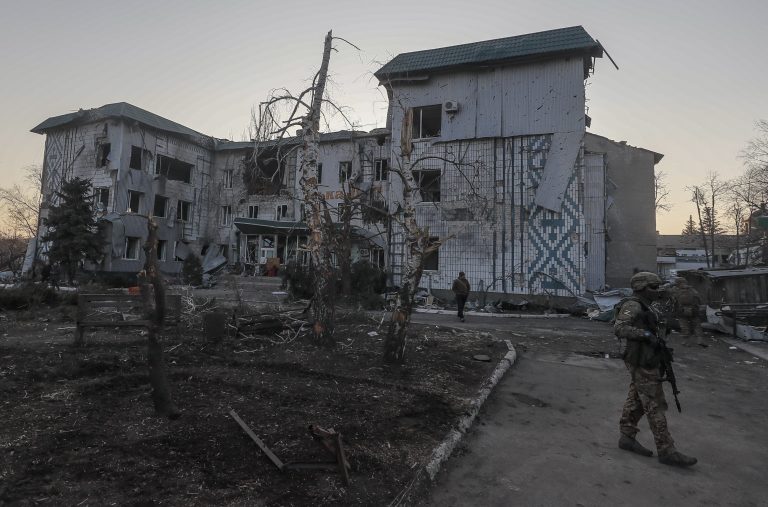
(697,198)
(153,300)
(319,239)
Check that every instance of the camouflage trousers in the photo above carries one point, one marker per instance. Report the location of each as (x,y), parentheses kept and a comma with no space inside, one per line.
(690,326)
(646,397)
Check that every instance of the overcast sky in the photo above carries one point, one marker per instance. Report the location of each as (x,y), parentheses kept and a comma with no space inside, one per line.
(691,85)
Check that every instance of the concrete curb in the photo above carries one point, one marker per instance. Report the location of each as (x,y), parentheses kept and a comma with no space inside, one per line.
(497,315)
(426,474)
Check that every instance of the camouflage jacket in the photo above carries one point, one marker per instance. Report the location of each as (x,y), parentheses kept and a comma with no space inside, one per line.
(633,318)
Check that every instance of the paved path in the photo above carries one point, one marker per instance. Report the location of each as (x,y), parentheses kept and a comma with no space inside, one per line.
(548,433)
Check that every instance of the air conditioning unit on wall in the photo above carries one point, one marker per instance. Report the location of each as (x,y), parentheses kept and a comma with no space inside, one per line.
(451,106)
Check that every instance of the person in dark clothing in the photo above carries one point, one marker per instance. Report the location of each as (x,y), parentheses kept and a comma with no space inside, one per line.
(461,290)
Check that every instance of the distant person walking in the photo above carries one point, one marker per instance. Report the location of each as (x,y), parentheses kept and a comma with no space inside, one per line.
(687,311)
(461,290)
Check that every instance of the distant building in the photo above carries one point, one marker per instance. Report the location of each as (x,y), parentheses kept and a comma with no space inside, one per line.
(681,252)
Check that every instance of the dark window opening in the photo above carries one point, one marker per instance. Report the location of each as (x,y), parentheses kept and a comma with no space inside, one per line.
(102,155)
(380,169)
(131,248)
(174,169)
(345,171)
(376,209)
(162,247)
(432,259)
(226,215)
(204,250)
(101,198)
(281,212)
(429,185)
(183,211)
(426,121)
(161,206)
(253,211)
(319,173)
(134,201)
(137,158)
(267,174)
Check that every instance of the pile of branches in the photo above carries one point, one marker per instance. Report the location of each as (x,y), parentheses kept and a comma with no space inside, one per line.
(275,327)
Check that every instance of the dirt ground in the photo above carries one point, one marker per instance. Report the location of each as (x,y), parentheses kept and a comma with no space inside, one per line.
(77,425)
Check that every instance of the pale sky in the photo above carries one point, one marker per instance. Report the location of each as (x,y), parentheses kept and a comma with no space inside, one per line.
(691,85)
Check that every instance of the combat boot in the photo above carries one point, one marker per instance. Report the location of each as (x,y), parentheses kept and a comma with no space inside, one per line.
(630,444)
(676,459)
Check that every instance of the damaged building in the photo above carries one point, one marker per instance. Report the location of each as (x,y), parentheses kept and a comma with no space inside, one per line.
(526,201)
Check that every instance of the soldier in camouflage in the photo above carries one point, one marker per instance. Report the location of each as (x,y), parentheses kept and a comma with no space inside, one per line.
(640,326)
(687,311)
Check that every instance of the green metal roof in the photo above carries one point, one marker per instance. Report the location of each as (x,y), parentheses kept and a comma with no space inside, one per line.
(571,40)
(117,110)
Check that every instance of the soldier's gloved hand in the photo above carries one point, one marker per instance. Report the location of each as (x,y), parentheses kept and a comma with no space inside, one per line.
(650,337)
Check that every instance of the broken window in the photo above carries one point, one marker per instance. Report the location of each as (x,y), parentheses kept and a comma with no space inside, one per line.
(319,173)
(432,259)
(131,248)
(102,154)
(161,206)
(429,185)
(377,257)
(345,171)
(173,169)
(226,215)
(134,201)
(380,169)
(281,212)
(162,248)
(376,209)
(101,198)
(183,211)
(137,158)
(426,121)
(228,177)
(253,211)
(266,175)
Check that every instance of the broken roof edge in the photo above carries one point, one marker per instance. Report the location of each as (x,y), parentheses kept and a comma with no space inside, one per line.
(123,110)
(656,156)
(325,137)
(417,65)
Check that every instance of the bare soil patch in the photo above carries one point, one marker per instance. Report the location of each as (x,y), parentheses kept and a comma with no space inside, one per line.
(77,426)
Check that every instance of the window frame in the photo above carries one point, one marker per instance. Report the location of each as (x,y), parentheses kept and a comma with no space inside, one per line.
(128,241)
(226,215)
(345,170)
(253,211)
(417,128)
(380,169)
(426,195)
(431,255)
(180,205)
(165,206)
(129,208)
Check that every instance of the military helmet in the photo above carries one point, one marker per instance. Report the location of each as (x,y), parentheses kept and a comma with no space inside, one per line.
(644,279)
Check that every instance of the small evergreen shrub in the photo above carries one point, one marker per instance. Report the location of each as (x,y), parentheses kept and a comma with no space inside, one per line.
(192,271)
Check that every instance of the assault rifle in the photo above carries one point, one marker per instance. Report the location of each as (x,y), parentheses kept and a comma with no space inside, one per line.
(665,369)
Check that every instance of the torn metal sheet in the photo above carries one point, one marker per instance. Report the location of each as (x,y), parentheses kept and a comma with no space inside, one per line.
(182,250)
(557,172)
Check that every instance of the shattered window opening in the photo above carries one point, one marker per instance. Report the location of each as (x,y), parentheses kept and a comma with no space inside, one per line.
(345,171)
(162,247)
(228,178)
(102,156)
(319,173)
(183,211)
(253,211)
(432,259)
(101,198)
(226,215)
(139,158)
(161,206)
(174,169)
(344,212)
(380,169)
(266,175)
(131,248)
(427,121)
(134,201)
(377,257)
(429,185)
(281,212)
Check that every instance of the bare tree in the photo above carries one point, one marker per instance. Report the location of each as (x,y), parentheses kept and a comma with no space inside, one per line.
(756,153)
(661,192)
(21,203)
(699,199)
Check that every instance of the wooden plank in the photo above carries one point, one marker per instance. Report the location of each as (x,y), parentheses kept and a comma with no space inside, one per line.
(279,464)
